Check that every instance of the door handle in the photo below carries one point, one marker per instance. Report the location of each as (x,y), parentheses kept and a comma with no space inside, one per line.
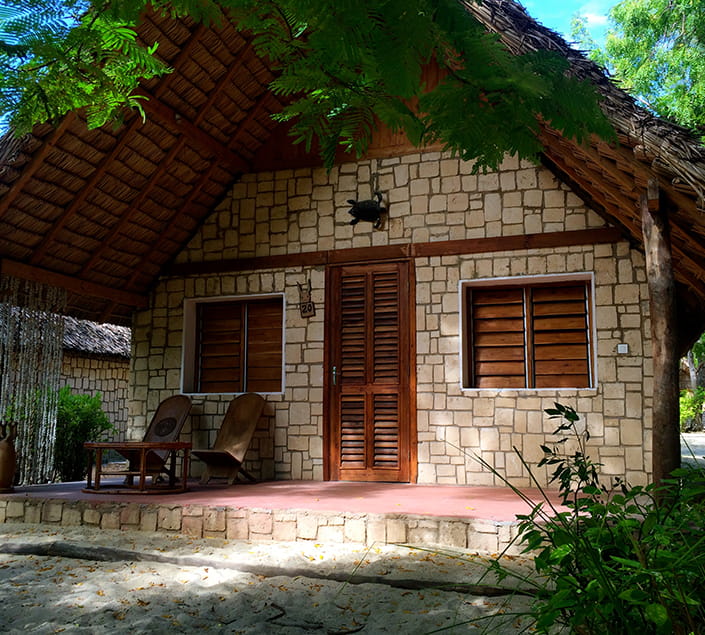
(335,375)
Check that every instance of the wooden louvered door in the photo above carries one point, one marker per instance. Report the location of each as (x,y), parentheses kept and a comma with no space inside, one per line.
(369,373)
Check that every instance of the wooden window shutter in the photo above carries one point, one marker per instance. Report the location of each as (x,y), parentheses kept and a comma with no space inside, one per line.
(239,346)
(221,347)
(264,346)
(497,347)
(559,327)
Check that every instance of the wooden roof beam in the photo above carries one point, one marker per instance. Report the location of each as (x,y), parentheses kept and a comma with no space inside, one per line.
(164,164)
(36,162)
(202,180)
(179,124)
(569,163)
(107,160)
(125,217)
(642,181)
(72,284)
(85,191)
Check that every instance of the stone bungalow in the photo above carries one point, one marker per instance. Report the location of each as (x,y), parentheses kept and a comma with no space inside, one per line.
(96,358)
(402,352)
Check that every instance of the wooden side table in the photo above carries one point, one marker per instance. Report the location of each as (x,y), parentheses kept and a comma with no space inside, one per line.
(140,466)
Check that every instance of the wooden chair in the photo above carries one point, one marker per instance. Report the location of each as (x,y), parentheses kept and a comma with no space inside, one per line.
(228,454)
(165,427)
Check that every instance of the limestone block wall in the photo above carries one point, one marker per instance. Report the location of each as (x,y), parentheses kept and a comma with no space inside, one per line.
(108,375)
(456,425)
(431,197)
(288,441)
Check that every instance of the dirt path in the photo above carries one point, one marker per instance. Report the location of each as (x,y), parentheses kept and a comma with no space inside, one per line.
(175,584)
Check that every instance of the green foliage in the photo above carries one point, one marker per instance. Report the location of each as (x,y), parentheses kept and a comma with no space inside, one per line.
(61,55)
(699,351)
(621,559)
(656,49)
(80,418)
(341,65)
(691,407)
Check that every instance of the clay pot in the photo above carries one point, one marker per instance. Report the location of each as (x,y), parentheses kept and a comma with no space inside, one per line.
(8,458)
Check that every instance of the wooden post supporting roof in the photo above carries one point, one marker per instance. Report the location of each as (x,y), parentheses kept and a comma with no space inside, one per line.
(664,335)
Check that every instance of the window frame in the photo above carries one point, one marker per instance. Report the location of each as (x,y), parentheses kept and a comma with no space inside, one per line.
(524,282)
(190,339)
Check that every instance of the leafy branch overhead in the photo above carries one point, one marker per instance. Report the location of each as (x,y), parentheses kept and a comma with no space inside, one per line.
(342,66)
(656,50)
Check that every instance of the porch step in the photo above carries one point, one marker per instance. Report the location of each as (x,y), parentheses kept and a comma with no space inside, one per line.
(258,524)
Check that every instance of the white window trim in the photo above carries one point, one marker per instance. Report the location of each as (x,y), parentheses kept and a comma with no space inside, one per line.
(510,281)
(188,348)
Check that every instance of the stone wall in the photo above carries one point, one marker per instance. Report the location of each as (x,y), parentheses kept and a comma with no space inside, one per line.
(88,374)
(432,197)
(241,523)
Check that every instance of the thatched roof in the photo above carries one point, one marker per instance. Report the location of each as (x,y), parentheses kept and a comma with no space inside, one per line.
(103,212)
(82,336)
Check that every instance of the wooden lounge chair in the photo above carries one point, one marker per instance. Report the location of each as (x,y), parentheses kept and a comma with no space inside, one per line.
(165,427)
(228,453)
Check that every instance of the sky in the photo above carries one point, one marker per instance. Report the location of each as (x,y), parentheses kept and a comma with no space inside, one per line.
(557,14)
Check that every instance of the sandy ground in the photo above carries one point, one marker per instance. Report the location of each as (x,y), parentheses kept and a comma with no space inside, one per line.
(239,587)
(693,448)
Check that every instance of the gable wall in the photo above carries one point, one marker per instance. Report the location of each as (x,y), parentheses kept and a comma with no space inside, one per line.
(432,198)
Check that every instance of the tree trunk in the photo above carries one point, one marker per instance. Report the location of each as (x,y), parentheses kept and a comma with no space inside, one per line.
(692,371)
(662,292)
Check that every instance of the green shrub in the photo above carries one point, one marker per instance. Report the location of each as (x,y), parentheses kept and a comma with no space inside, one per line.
(80,418)
(691,408)
(620,560)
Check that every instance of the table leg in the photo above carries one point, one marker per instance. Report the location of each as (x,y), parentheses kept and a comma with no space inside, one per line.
(171,470)
(98,466)
(143,469)
(184,469)
(89,478)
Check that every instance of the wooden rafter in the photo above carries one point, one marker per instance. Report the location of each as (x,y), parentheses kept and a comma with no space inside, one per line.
(682,202)
(195,191)
(571,163)
(594,157)
(85,191)
(107,242)
(179,124)
(107,160)
(203,179)
(164,164)
(36,162)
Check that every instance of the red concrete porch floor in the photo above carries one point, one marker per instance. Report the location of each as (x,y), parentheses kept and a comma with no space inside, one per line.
(482,518)
(448,501)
